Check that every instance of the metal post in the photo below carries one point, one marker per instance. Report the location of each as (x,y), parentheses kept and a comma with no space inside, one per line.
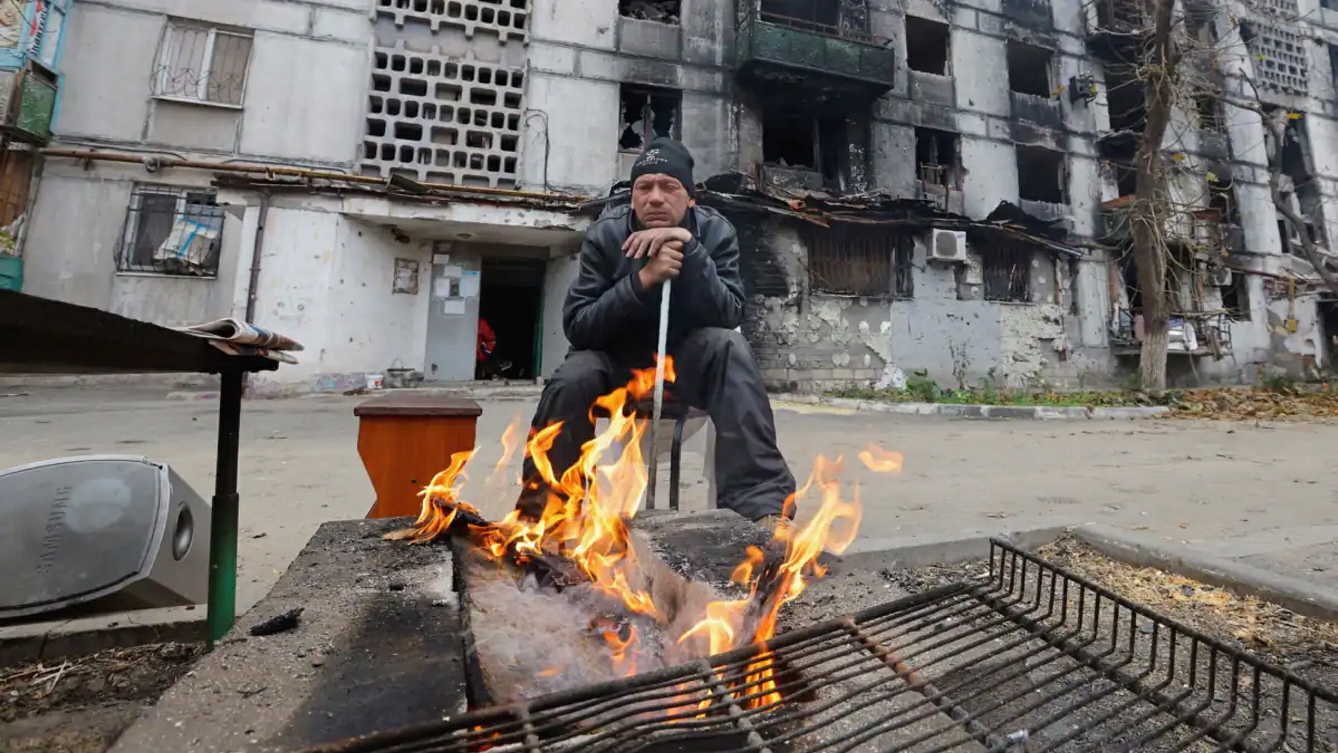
(223,518)
(652,462)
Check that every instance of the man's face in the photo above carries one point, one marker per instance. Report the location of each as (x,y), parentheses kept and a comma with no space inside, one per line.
(660,201)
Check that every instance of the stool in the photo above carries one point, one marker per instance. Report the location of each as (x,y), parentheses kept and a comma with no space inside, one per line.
(404,439)
(680,414)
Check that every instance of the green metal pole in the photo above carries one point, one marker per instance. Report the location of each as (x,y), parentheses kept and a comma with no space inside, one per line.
(223,517)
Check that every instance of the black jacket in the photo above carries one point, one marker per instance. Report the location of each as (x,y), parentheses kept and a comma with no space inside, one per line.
(606,310)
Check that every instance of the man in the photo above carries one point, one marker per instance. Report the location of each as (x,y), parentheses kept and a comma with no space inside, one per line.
(611,318)
(487,342)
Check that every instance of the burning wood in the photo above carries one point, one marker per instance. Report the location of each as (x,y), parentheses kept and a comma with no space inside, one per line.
(617,604)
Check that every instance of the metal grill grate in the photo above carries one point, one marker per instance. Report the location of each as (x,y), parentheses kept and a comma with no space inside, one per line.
(1031,659)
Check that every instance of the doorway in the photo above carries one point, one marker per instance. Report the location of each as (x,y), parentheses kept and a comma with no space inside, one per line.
(1328,314)
(511,302)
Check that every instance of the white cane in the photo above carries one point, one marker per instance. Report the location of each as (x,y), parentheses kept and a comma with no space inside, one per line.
(652,463)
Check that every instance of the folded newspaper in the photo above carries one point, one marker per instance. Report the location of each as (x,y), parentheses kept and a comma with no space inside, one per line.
(238,338)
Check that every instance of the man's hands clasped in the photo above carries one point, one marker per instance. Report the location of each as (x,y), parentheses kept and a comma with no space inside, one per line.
(663,247)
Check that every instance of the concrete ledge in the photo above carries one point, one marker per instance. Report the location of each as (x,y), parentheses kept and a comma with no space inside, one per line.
(955,410)
(26,643)
(927,551)
(1300,596)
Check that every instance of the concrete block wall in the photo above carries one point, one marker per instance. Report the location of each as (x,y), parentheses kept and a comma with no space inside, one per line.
(447,95)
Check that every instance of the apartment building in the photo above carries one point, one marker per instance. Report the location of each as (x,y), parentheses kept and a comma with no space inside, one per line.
(433,160)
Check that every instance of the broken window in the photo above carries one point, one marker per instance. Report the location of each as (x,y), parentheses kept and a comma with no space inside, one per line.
(936,157)
(1041,175)
(859,260)
(648,112)
(1235,298)
(1029,69)
(1006,270)
(1208,108)
(927,45)
(661,11)
(1333,61)
(1125,98)
(820,12)
(171,231)
(793,137)
(1329,4)
(1222,198)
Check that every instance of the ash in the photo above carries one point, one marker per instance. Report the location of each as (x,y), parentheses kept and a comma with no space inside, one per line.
(529,640)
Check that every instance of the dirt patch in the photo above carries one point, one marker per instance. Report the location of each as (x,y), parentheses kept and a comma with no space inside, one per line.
(1304,645)
(81,705)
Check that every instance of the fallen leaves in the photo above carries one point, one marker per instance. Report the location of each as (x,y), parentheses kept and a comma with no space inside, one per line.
(1255,405)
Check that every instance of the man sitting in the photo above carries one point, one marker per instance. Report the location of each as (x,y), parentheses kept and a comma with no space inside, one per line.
(611,318)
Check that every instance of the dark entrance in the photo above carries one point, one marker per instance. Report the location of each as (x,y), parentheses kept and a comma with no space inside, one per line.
(1328,313)
(511,302)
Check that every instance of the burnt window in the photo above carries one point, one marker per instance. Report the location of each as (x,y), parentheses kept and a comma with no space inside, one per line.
(1236,298)
(647,112)
(1006,269)
(1208,109)
(661,11)
(1041,175)
(1329,4)
(859,260)
(927,45)
(794,137)
(1029,69)
(1333,61)
(1222,197)
(820,12)
(936,157)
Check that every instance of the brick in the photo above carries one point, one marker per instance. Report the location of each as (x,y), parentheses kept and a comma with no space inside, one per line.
(467,15)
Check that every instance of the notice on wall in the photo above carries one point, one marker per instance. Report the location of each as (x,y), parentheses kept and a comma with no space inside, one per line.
(453,271)
(445,287)
(452,306)
(441,258)
(469,284)
(406,277)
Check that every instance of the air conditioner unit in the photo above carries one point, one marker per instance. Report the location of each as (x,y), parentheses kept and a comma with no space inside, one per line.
(83,528)
(948,246)
(1219,276)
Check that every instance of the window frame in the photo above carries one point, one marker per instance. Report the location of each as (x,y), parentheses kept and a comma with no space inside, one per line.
(132,229)
(648,135)
(173,33)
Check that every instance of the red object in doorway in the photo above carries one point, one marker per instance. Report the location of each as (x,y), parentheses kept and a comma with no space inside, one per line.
(487,340)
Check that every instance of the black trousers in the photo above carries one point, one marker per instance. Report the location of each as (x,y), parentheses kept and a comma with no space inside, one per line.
(716,373)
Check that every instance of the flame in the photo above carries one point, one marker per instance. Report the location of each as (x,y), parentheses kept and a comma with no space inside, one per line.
(584,522)
(881,461)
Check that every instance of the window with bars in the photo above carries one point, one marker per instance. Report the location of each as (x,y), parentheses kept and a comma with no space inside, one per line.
(860,260)
(171,231)
(1007,273)
(202,64)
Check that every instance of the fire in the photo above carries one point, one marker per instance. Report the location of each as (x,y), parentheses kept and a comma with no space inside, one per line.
(584,522)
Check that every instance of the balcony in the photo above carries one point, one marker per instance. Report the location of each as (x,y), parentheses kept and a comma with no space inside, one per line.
(813,61)
(27,103)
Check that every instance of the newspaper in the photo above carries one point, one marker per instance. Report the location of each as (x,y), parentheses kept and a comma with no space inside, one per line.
(238,338)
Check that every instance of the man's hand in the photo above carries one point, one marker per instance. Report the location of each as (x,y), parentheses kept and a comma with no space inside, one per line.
(647,243)
(663,247)
(664,265)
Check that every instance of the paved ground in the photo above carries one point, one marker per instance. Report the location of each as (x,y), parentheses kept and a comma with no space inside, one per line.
(1265,493)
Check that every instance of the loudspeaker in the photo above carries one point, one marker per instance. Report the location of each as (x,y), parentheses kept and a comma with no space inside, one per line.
(119,528)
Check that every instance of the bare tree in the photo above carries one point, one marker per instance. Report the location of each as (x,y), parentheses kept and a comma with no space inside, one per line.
(1158,66)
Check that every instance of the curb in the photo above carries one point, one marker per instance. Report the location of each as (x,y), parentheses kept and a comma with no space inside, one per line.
(954,410)
(25,643)
(919,551)
(1300,596)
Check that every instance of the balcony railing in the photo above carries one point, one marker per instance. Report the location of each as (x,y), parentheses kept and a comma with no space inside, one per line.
(770,41)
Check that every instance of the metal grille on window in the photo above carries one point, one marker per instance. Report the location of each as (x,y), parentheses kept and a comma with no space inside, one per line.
(171,231)
(1007,273)
(202,64)
(860,261)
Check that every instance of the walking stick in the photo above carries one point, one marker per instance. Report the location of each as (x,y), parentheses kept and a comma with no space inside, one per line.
(652,463)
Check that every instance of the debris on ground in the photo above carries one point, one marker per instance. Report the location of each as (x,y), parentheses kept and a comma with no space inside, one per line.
(1265,628)
(1255,405)
(122,674)
(281,623)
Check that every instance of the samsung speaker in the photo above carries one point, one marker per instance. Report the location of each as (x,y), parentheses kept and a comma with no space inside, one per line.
(123,530)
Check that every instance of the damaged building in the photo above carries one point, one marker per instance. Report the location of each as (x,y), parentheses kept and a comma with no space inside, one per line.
(935,187)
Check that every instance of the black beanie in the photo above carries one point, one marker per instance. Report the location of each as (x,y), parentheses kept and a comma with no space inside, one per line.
(665,156)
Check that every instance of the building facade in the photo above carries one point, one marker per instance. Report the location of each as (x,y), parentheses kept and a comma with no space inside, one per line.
(428,156)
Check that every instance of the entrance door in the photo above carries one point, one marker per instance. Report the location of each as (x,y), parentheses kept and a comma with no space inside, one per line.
(512,304)
(452,319)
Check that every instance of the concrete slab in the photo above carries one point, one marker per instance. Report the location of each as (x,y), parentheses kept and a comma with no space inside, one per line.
(378,646)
